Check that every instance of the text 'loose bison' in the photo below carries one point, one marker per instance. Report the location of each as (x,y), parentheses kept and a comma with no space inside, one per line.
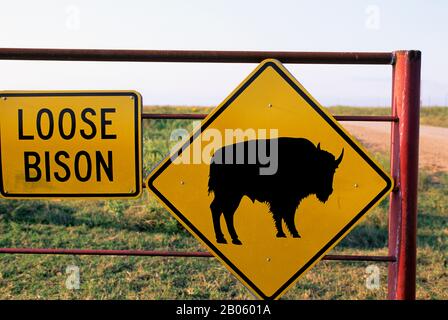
(303,169)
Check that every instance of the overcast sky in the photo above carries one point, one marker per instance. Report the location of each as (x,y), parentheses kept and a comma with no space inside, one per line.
(225,25)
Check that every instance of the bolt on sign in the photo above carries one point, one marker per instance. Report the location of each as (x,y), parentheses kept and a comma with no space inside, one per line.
(81,144)
(270,181)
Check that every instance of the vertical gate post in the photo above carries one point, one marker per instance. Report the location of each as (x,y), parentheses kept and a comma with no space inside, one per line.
(404,167)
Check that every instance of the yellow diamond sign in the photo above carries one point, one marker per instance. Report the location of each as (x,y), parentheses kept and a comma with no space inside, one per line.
(269,182)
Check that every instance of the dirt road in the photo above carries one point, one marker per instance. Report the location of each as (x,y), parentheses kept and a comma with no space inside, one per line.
(433,142)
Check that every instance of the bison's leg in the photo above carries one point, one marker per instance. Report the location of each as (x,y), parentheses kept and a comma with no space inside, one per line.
(216,208)
(289,219)
(276,209)
(229,212)
(278,226)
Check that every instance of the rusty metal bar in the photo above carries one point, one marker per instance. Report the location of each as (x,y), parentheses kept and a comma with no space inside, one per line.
(384,58)
(367,118)
(395,189)
(171,116)
(155,253)
(101,252)
(404,166)
(147,115)
(359,258)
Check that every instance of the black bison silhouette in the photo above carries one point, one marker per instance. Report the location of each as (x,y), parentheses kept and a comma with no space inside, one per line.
(303,169)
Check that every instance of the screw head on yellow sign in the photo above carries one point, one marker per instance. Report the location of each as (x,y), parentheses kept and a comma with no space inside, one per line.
(72,144)
(269,182)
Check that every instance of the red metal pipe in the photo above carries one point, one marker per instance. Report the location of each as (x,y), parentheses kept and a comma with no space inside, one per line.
(189,116)
(154,253)
(359,258)
(367,118)
(384,58)
(404,166)
(147,115)
(395,189)
(103,252)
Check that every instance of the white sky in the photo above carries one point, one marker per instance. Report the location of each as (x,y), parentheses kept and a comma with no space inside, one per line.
(345,25)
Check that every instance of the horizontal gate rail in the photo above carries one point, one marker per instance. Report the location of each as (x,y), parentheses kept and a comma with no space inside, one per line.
(192,116)
(153,253)
(384,58)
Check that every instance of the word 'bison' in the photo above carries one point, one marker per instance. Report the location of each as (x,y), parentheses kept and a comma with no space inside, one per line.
(303,169)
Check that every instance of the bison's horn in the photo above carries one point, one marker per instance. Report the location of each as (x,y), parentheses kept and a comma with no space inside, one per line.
(338,160)
(318,146)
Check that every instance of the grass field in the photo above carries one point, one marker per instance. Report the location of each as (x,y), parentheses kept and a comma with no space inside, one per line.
(143,224)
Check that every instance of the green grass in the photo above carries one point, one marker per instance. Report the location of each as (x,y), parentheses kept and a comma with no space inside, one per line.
(143,224)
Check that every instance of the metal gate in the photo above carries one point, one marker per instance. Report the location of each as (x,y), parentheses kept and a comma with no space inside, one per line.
(404,141)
